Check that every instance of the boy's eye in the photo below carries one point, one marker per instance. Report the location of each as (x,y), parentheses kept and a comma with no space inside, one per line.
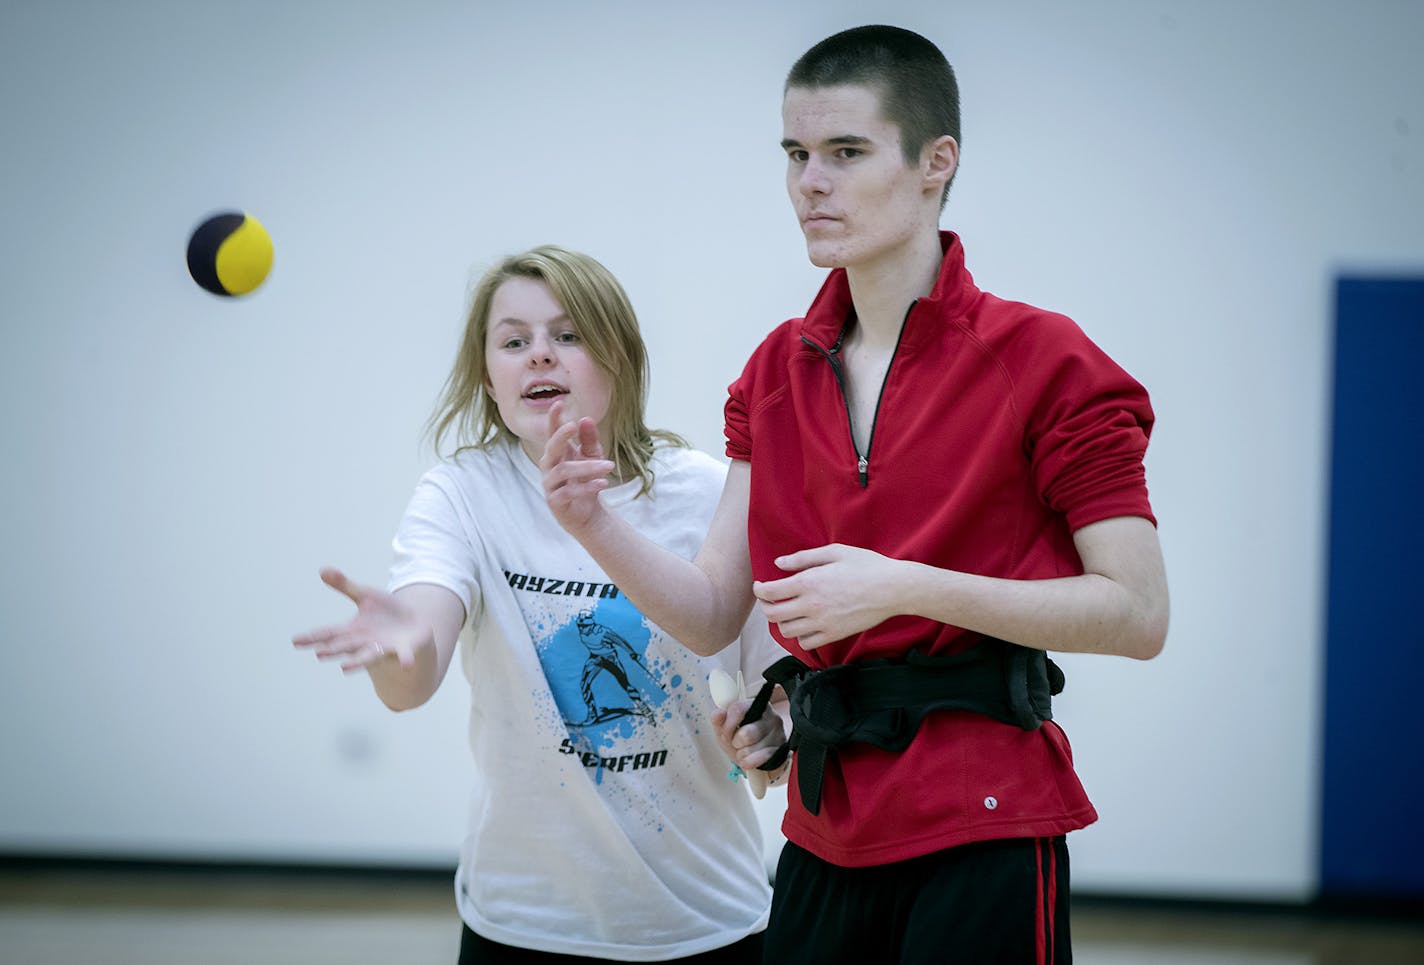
(798,156)
(849,152)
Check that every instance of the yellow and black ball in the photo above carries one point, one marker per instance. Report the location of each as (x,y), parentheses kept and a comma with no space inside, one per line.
(230,253)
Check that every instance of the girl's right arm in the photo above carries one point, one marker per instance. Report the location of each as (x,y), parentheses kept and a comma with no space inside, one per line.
(704,602)
(405,640)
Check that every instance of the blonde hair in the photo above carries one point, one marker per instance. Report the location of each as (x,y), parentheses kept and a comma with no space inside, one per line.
(604,320)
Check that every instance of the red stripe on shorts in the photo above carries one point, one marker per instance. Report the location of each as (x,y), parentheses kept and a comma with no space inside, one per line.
(1040,928)
(1051,908)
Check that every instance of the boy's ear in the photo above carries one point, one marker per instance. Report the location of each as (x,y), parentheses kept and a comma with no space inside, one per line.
(940,159)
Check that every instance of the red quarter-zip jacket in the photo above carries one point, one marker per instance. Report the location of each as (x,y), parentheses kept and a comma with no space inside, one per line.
(1000,430)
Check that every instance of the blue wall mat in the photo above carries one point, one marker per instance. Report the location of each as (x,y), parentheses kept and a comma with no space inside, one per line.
(1372,827)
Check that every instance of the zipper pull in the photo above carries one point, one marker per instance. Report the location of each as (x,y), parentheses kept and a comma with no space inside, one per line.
(864,466)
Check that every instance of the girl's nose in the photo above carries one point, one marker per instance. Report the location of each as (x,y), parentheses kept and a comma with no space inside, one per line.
(543,353)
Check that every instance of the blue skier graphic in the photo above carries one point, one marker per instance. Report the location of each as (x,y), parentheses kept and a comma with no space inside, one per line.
(606,650)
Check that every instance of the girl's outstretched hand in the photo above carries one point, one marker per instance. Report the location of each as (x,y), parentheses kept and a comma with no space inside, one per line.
(383,628)
(574,470)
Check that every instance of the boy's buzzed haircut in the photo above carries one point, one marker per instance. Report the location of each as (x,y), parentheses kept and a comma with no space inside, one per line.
(918,92)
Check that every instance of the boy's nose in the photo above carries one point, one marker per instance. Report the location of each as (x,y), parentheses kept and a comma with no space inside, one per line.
(813,179)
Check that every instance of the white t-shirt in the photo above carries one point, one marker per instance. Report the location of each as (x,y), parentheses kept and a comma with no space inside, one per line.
(603,822)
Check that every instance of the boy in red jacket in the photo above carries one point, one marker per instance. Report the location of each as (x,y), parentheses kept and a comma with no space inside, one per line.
(930,487)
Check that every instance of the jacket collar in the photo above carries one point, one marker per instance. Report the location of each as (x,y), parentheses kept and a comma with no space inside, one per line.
(954,291)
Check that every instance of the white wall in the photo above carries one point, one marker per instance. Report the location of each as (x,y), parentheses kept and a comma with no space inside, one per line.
(1184,179)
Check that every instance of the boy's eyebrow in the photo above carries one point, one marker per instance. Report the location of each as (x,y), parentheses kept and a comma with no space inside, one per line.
(840,140)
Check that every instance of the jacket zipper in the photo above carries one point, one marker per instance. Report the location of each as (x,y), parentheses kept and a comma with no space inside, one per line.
(862,460)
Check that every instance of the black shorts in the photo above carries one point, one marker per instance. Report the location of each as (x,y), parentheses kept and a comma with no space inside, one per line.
(478,950)
(1002,902)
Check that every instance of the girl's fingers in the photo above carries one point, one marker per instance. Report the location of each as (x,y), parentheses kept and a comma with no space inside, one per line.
(556,450)
(368,653)
(335,637)
(752,759)
(339,582)
(314,637)
(586,472)
(556,418)
(344,643)
(588,440)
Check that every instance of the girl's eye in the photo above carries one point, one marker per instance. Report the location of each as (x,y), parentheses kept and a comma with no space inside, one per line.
(568,338)
(514,343)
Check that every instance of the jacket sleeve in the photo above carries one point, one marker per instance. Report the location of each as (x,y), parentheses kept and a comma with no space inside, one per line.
(761,369)
(1087,426)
